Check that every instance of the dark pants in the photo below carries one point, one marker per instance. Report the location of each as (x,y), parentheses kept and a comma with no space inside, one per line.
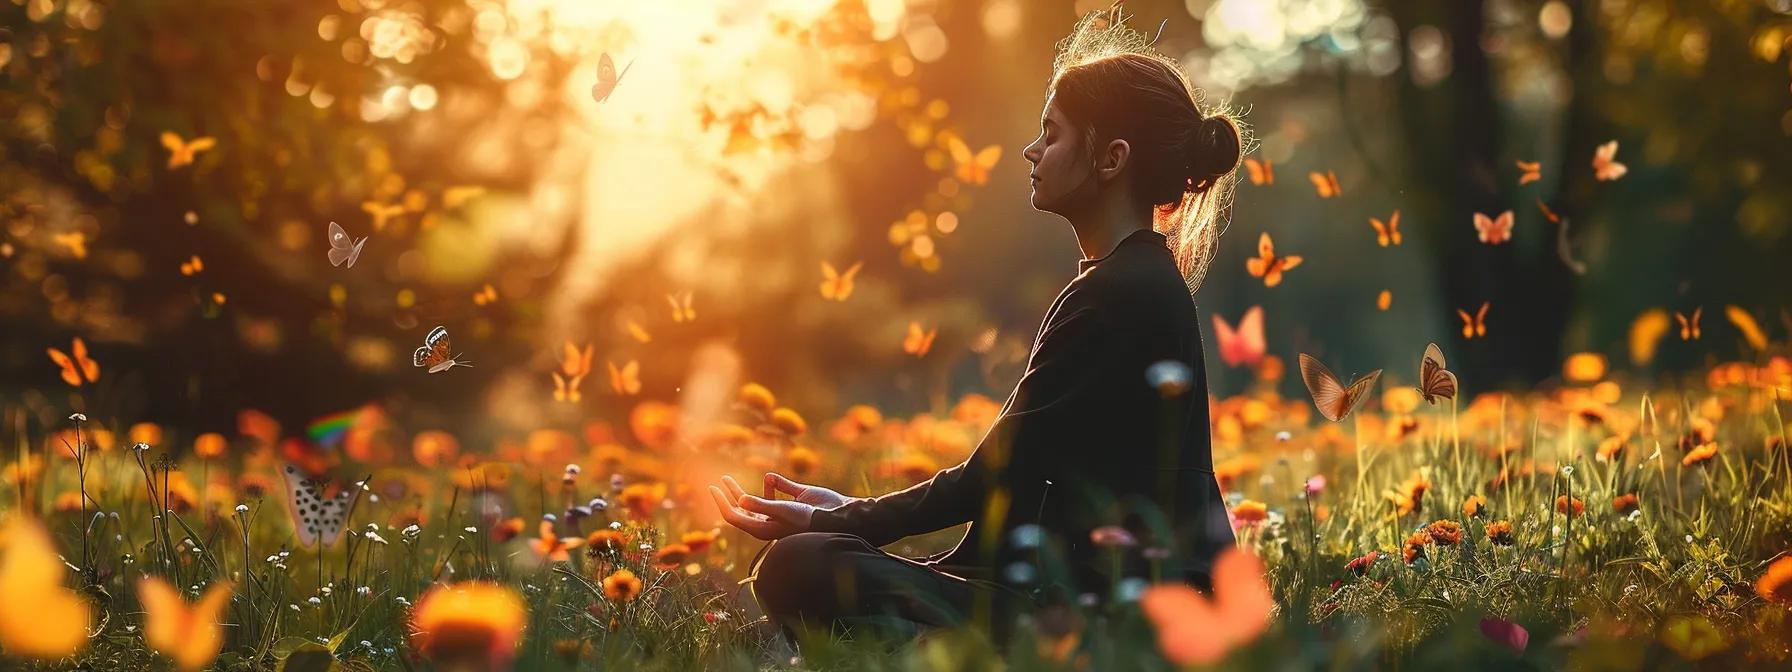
(841,583)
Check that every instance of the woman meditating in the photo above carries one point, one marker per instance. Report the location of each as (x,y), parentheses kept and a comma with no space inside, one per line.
(1099,465)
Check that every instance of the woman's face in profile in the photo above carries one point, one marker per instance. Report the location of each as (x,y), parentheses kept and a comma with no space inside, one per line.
(1059,170)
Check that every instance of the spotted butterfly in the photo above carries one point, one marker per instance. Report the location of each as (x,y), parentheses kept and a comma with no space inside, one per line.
(318,515)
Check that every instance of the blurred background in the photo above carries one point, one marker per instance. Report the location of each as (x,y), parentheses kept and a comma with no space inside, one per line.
(169,170)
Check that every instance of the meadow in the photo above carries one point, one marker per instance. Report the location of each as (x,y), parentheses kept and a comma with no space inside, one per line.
(1596,524)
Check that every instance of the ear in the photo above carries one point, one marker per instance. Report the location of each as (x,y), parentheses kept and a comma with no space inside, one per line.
(1112,159)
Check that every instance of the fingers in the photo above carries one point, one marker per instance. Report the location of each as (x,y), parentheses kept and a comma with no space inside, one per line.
(735,516)
(735,492)
(774,480)
(765,507)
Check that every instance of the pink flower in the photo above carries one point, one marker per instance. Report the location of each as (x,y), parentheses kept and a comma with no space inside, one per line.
(1316,484)
(1507,633)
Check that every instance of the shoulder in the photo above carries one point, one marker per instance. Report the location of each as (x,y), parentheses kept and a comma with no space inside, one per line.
(1139,282)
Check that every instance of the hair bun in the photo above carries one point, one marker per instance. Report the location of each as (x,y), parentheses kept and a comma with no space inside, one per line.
(1215,150)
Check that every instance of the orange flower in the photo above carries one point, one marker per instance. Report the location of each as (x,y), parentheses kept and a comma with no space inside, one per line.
(789,422)
(434,448)
(1414,546)
(1195,629)
(1699,455)
(1624,503)
(622,586)
(1584,367)
(606,540)
(1250,512)
(1564,503)
(1474,506)
(699,540)
(1775,585)
(145,432)
(468,625)
(210,445)
(1611,447)
(1444,532)
(506,530)
(654,423)
(553,546)
(68,500)
(641,498)
(757,397)
(180,495)
(1500,533)
(803,461)
(1410,496)
(671,556)
(549,448)
(914,468)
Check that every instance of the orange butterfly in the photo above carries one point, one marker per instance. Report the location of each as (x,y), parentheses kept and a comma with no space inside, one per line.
(681,307)
(1245,345)
(553,547)
(485,296)
(1745,323)
(836,285)
(1475,325)
(972,168)
(1267,265)
(1384,300)
(1495,230)
(638,332)
(1605,168)
(75,241)
(1262,172)
(918,342)
(1331,396)
(1196,629)
(77,368)
(382,213)
(1689,328)
(1435,381)
(1548,213)
(191,635)
(1529,171)
(626,380)
(1326,183)
(575,365)
(181,152)
(192,266)
(39,618)
(1389,233)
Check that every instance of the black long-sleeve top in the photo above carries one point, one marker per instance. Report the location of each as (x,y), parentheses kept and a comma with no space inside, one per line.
(1084,440)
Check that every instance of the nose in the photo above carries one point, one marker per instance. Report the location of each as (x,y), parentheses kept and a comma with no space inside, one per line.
(1031,153)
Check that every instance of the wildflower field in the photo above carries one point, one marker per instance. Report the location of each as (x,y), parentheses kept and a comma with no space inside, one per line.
(631,248)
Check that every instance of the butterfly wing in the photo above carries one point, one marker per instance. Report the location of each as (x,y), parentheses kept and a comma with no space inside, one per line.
(303,502)
(559,387)
(1248,344)
(1242,599)
(1434,380)
(1228,341)
(61,359)
(1381,232)
(88,367)
(1328,393)
(1359,391)
(334,514)
(1481,319)
(1394,227)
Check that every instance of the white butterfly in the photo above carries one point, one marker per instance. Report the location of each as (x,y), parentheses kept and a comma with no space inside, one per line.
(316,517)
(342,248)
(435,352)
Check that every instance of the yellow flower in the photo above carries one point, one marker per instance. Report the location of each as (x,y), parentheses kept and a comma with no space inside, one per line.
(758,397)
(472,624)
(789,422)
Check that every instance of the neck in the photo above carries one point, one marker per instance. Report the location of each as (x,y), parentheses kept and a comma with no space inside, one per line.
(1100,230)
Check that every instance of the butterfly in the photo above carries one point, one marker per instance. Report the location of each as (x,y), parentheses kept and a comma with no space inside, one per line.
(382,213)
(1326,183)
(486,295)
(681,307)
(638,332)
(75,241)
(1267,265)
(192,266)
(607,77)
(553,547)
(39,618)
(1689,328)
(836,285)
(1197,629)
(1646,333)
(1262,172)
(1495,230)
(1434,380)
(1332,397)
(1384,300)
(1529,171)
(1475,325)
(918,342)
(972,168)
(435,352)
(1745,323)
(625,380)
(1548,213)
(1605,168)
(191,635)
(181,152)
(344,250)
(1245,345)
(77,368)
(318,515)
(575,365)
(1388,233)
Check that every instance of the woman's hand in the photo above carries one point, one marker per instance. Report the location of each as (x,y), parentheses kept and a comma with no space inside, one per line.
(819,497)
(766,519)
